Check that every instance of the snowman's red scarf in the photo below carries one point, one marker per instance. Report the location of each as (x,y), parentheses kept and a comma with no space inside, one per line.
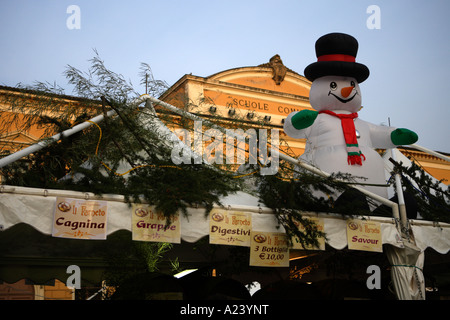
(348,128)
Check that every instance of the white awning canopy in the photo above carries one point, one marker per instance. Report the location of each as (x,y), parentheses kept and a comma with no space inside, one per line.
(35,207)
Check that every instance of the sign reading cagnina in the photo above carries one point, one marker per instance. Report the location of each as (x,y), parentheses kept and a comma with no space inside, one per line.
(79,219)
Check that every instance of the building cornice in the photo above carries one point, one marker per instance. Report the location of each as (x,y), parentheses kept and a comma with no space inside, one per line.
(222,84)
(37,93)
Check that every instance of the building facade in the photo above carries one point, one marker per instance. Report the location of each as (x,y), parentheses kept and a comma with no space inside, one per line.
(263,96)
(256,96)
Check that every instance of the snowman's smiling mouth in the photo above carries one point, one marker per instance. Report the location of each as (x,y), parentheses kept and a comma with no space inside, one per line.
(343,100)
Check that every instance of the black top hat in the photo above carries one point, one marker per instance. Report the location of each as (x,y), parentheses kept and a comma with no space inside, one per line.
(336,54)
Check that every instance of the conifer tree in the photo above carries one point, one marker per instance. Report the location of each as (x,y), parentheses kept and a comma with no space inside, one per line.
(89,160)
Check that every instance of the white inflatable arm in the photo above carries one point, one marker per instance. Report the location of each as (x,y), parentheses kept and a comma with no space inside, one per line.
(381,136)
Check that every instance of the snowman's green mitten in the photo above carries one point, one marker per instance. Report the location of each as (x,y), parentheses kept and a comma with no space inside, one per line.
(402,136)
(303,119)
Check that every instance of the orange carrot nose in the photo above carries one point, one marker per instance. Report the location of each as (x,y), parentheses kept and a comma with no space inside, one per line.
(346,91)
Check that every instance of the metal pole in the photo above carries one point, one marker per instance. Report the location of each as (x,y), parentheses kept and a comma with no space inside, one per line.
(401,199)
(43,143)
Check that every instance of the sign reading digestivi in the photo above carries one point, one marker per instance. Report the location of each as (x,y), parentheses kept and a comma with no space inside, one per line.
(230,227)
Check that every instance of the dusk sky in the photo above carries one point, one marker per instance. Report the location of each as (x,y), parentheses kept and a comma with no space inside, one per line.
(405,45)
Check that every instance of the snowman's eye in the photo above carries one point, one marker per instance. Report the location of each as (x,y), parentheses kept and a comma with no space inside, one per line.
(333,85)
(352,83)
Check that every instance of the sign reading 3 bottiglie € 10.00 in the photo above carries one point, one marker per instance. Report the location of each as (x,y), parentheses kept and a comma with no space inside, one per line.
(79,219)
(229,227)
(269,249)
(149,225)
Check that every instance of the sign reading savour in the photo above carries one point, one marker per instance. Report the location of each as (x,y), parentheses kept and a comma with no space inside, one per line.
(364,235)
(229,227)
(79,219)
(269,249)
(148,225)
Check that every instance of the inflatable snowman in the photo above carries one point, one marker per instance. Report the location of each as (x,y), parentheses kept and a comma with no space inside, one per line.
(337,139)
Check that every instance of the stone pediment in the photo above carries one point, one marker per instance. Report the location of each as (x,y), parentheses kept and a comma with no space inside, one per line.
(272,76)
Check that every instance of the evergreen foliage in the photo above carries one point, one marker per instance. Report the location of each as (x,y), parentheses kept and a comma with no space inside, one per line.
(293,192)
(90,160)
(432,197)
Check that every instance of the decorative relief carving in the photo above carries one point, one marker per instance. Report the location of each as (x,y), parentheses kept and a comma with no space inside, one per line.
(278,68)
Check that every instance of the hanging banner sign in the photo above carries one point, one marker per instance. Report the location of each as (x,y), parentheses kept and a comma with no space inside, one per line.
(148,225)
(269,249)
(79,219)
(321,241)
(229,227)
(364,235)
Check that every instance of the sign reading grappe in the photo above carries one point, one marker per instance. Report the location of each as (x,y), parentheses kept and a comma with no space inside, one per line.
(79,219)
(148,225)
